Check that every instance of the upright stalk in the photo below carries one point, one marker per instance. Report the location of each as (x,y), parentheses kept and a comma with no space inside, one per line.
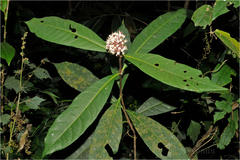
(124,109)
(2,80)
(17,114)
(5,22)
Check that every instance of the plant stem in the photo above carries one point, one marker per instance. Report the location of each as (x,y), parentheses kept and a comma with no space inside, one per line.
(5,20)
(2,80)
(18,114)
(20,85)
(124,109)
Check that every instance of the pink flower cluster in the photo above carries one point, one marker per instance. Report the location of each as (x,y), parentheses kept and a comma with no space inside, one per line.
(116,43)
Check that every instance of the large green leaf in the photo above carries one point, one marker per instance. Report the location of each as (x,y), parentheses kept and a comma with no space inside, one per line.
(157,31)
(66,32)
(203,16)
(155,135)
(75,75)
(153,106)
(84,109)
(230,42)
(108,132)
(173,73)
(7,52)
(220,7)
(223,76)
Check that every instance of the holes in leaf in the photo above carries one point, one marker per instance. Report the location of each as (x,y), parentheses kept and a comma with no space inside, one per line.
(156,64)
(164,149)
(184,80)
(72,29)
(187,85)
(185,71)
(76,37)
(109,150)
(197,84)
(200,76)
(191,78)
(41,21)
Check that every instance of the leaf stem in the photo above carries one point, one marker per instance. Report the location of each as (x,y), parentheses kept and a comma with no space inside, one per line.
(124,109)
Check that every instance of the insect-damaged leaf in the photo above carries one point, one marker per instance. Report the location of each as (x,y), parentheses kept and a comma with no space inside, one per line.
(203,16)
(108,132)
(41,73)
(153,106)
(173,73)
(157,31)
(66,32)
(162,142)
(84,109)
(75,75)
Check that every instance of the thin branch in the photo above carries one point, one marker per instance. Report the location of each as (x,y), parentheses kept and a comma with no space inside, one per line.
(124,109)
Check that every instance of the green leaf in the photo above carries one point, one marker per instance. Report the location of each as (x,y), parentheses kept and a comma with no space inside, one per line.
(73,122)
(155,135)
(220,7)
(5,118)
(230,42)
(12,83)
(227,135)
(224,105)
(108,132)
(41,73)
(3,5)
(7,52)
(66,32)
(218,116)
(83,151)
(52,95)
(157,31)
(75,75)
(173,73)
(153,106)
(193,130)
(203,16)
(223,76)
(34,102)
(235,118)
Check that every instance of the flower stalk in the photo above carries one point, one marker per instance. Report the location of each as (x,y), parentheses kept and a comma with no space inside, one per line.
(124,109)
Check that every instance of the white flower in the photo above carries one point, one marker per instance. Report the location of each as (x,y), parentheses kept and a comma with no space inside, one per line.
(115,43)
